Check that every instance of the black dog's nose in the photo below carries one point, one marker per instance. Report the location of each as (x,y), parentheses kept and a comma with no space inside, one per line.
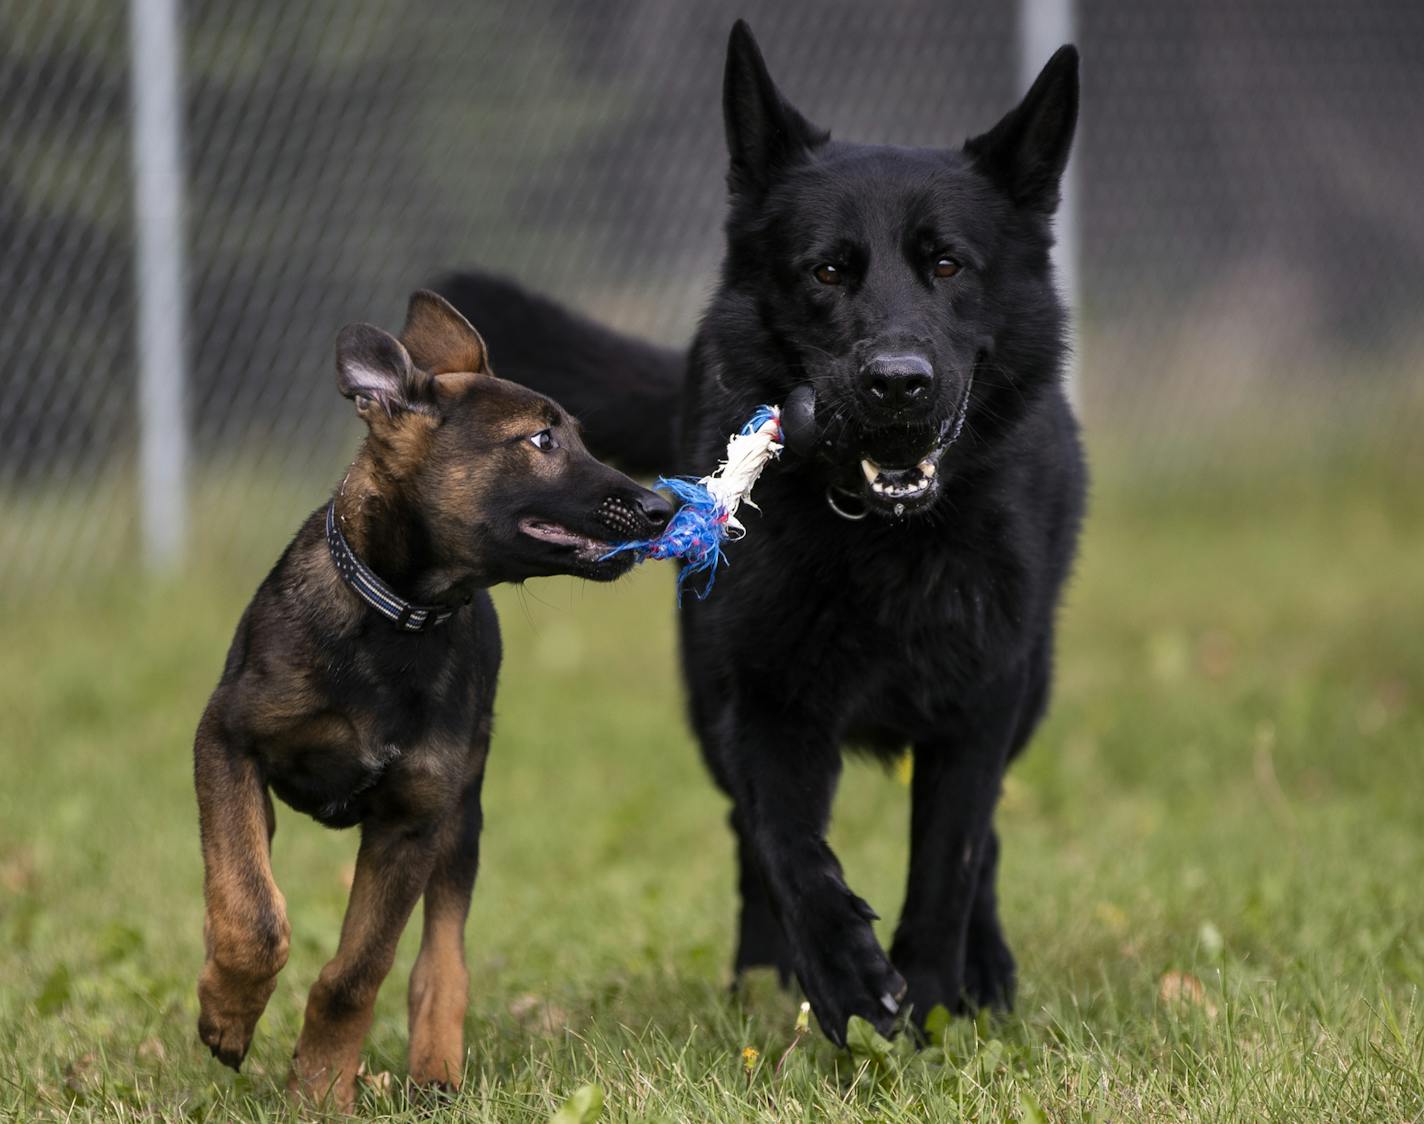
(654,508)
(897,381)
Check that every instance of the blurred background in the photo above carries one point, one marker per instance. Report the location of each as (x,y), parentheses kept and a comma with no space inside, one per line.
(1243,240)
(195,195)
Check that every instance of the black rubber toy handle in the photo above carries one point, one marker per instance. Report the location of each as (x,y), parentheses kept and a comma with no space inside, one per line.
(798,420)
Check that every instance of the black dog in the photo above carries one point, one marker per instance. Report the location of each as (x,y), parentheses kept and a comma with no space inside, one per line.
(902,586)
(357,706)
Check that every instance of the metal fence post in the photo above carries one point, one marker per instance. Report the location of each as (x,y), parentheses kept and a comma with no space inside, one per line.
(154,44)
(1044,26)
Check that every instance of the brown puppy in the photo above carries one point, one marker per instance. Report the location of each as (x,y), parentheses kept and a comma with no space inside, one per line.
(360,684)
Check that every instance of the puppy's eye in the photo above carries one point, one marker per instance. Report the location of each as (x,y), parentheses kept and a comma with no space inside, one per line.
(827,274)
(946,267)
(544,440)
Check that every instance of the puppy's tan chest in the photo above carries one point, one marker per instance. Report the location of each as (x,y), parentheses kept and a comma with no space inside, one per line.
(340,769)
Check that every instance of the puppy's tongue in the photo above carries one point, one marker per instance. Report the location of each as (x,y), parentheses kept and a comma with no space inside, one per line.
(556,533)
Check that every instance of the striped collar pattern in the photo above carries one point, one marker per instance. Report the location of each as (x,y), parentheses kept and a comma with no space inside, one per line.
(372,590)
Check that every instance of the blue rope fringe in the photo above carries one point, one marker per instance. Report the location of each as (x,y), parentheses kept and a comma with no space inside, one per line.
(763,415)
(694,534)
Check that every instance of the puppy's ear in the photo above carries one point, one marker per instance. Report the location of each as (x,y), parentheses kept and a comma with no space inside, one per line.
(439,339)
(765,133)
(1026,152)
(373,369)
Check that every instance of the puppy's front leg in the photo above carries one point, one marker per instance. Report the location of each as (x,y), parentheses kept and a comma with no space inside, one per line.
(245,928)
(439,981)
(392,868)
(785,777)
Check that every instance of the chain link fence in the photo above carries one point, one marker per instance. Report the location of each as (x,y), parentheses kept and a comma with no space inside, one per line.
(1248,226)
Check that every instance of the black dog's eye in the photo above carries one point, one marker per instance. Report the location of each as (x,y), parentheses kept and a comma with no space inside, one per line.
(946,267)
(544,440)
(827,274)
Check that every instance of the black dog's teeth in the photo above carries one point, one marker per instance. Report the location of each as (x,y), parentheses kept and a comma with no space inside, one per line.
(900,483)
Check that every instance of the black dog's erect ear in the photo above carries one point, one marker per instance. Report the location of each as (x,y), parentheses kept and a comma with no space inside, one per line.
(765,133)
(1026,152)
(439,339)
(373,368)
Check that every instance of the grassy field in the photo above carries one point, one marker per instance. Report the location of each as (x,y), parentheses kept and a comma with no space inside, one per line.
(1213,870)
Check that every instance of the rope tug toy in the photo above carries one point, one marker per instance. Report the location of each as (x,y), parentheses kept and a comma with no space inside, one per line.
(708,515)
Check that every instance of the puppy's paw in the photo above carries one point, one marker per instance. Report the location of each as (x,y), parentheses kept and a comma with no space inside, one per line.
(228,1011)
(441,1076)
(227,1039)
(318,1082)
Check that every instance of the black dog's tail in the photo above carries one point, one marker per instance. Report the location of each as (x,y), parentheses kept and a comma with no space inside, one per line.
(625,391)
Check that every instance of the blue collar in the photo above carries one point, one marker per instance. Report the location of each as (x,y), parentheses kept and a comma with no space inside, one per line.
(372,590)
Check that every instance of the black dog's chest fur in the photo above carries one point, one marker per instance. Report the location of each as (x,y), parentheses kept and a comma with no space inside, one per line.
(886,624)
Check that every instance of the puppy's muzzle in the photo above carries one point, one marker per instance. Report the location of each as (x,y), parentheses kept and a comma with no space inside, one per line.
(635,517)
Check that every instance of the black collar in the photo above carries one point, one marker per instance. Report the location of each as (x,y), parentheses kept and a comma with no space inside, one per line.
(375,592)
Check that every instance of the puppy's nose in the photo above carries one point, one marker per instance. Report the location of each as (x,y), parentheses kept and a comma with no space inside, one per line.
(896,382)
(653,508)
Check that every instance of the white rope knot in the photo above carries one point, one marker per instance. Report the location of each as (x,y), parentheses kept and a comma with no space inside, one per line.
(748,453)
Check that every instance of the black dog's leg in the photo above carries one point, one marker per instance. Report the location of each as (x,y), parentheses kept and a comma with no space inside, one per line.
(783,784)
(990,976)
(761,943)
(956,784)
(989,973)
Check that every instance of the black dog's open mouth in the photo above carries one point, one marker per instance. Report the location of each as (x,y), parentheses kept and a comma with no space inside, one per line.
(585,549)
(902,483)
(899,476)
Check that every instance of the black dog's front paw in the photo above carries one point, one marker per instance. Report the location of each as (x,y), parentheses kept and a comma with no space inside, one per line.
(844,971)
(990,976)
(986,982)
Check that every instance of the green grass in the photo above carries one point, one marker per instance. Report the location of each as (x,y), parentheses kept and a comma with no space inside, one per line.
(1230,787)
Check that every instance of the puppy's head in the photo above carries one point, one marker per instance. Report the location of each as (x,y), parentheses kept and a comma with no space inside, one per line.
(495,477)
(909,287)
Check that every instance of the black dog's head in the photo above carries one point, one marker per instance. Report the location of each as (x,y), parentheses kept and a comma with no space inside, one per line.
(490,480)
(910,288)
